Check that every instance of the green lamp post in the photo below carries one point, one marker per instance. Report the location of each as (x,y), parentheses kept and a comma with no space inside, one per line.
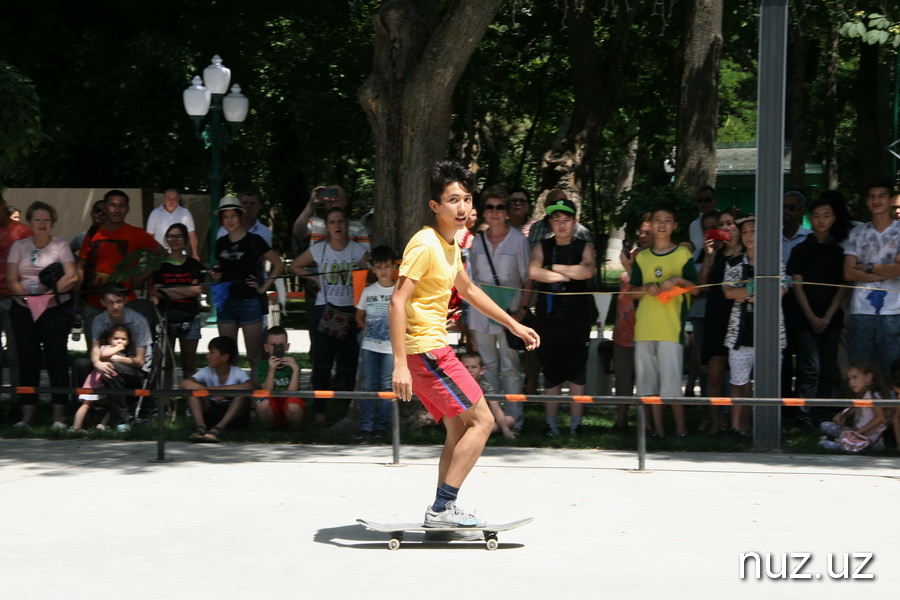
(206,103)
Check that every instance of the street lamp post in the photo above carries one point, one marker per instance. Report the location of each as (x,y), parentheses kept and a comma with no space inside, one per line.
(206,103)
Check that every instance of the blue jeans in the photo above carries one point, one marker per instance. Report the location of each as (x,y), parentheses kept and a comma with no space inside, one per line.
(375,413)
(817,362)
(875,338)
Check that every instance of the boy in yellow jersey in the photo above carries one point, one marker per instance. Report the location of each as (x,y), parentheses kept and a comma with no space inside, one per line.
(424,362)
(659,327)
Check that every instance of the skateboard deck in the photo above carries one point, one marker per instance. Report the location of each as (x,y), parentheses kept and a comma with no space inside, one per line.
(396,530)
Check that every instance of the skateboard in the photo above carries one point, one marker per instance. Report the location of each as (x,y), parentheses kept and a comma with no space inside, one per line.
(398,529)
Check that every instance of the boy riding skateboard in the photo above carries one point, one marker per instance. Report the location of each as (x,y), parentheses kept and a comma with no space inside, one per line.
(424,362)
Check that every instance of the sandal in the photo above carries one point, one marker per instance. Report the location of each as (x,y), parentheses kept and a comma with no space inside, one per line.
(197,435)
(213,436)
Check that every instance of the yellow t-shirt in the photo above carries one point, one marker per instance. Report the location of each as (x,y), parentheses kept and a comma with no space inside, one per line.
(433,264)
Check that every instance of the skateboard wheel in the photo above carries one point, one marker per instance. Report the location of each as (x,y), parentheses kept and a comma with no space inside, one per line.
(394,544)
(492,544)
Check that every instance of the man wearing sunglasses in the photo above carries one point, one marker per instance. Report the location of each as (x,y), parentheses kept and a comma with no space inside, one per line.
(706,203)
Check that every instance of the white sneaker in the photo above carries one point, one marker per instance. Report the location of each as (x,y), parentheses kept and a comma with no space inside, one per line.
(59,425)
(451,516)
(123,428)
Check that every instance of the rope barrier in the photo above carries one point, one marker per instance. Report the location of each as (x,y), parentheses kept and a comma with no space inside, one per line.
(637,401)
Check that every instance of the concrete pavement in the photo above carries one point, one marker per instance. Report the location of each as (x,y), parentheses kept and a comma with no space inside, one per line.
(97,520)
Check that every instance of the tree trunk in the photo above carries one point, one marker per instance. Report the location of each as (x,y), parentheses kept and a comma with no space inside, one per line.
(624,181)
(829,119)
(797,105)
(873,108)
(698,103)
(419,58)
(597,86)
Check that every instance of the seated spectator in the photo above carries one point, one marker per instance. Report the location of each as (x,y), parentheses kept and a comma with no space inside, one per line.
(220,373)
(115,346)
(103,253)
(279,373)
(376,354)
(859,427)
(118,374)
(503,423)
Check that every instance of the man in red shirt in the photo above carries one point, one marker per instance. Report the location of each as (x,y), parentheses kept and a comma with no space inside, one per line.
(10,231)
(102,253)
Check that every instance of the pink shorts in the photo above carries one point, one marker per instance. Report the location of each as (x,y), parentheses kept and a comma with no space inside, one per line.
(441,383)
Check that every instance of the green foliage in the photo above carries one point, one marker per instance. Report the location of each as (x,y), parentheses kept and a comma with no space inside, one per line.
(20,114)
(138,262)
(873,29)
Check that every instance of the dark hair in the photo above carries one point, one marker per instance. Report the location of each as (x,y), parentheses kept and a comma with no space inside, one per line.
(707,188)
(113,288)
(520,190)
(446,172)
(711,214)
(381,254)
(104,337)
(180,227)
(11,210)
(881,183)
(117,194)
(663,206)
(867,367)
(40,206)
(840,230)
(275,330)
(225,344)
(472,354)
(252,193)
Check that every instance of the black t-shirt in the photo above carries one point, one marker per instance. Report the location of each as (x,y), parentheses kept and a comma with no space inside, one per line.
(819,263)
(563,308)
(240,260)
(185,274)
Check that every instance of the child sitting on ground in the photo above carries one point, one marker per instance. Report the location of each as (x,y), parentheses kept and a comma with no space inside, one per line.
(376,357)
(503,423)
(279,373)
(219,374)
(868,423)
(114,348)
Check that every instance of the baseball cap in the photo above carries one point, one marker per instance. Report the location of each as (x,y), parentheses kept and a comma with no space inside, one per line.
(563,204)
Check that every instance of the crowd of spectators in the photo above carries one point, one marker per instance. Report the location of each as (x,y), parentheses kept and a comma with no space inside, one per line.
(680,305)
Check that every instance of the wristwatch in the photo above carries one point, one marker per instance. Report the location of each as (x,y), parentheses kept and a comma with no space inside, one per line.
(870,267)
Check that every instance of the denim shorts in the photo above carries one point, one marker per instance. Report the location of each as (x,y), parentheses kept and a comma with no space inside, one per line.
(240,312)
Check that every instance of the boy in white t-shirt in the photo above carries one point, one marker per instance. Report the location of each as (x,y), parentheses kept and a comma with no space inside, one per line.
(377,357)
(219,374)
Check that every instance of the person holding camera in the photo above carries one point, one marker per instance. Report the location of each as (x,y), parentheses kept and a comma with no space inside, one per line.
(310,228)
(176,288)
(279,373)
